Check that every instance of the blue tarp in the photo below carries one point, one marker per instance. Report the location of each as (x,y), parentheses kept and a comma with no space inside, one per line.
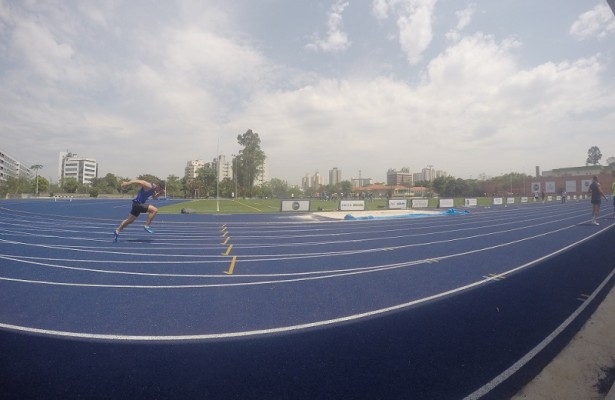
(450,211)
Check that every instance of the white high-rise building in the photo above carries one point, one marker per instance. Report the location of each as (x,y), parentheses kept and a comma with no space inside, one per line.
(192,167)
(335,176)
(10,167)
(83,169)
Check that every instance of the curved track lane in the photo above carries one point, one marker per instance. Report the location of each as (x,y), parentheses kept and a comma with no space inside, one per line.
(212,278)
(198,279)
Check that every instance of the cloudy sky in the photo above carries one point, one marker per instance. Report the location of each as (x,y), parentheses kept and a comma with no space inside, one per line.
(470,87)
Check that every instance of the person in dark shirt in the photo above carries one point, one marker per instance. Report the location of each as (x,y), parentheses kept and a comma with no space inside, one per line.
(596,198)
(139,204)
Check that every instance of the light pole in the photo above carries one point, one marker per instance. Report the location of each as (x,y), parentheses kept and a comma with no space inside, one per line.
(218,176)
(235,174)
(36,167)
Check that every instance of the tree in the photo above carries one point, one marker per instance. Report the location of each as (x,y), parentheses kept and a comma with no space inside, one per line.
(593,156)
(346,188)
(251,160)
(14,186)
(279,188)
(206,180)
(227,187)
(109,184)
(150,178)
(70,185)
(173,186)
(41,183)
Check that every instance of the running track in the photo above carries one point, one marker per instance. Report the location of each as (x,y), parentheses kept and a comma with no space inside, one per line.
(290,305)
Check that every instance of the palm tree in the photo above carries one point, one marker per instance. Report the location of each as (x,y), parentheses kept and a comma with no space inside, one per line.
(36,167)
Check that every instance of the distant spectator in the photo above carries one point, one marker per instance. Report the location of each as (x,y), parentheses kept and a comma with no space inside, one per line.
(596,198)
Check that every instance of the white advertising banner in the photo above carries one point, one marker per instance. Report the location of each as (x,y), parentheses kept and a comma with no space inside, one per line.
(398,204)
(352,205)
(446,203)
(550,187)
(295,205)
(420,203)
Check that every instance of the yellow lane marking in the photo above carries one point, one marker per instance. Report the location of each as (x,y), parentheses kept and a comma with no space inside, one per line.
(232,266)
(228,251)
(226,240)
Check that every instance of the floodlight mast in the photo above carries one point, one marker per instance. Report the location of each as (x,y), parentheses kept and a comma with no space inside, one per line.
(218,176)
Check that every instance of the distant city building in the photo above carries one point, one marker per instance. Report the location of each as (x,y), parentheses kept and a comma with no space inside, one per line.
(361,182)
(429,174)
(12,168)
(313,182)
(403,177)
(83,169)
(305,182)
(317,181)
(335,176)
(222,166)
(192,168)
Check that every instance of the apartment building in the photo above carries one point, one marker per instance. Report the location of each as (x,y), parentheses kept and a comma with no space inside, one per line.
(13,168)
(83,169)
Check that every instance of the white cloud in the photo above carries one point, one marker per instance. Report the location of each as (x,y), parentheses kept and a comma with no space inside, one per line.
(187,75)
(464,17)
(595,23)
(475,105)
(336,40)
(414,23)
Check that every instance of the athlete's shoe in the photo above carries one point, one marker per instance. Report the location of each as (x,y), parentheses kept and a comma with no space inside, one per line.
(115,236)
(595,222)
(147,228)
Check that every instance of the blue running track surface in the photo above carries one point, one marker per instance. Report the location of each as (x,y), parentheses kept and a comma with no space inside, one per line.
(292,306)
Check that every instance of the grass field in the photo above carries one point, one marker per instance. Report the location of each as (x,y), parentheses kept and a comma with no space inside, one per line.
(249,206)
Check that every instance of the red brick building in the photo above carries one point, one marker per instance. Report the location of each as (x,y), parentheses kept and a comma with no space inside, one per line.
(574,181)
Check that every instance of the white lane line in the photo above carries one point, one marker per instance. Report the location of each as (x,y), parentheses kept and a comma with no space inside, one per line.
(320,274)
(227,335)
(268,257)
(213,336)
(541,346)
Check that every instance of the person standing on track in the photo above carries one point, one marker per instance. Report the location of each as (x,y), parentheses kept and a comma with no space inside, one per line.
(596,198)
(139,204)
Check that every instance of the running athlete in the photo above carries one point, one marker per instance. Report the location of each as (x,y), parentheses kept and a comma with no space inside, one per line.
(596,199)
(139,204)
